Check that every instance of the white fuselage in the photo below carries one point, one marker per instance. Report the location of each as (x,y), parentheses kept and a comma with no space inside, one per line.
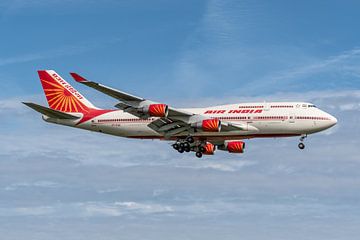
(270,119)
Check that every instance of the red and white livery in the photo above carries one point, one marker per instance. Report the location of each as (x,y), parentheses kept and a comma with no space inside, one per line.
(200,130)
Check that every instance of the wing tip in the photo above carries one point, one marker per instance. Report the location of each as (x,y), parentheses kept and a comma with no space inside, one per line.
(27,103)
(77,77)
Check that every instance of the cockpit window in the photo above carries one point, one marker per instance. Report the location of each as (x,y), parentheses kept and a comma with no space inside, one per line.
(311,105)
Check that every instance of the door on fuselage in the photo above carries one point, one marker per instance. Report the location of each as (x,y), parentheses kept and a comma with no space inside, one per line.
(292,118)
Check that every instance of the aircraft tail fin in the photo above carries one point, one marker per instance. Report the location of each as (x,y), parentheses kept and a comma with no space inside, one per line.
(61,96)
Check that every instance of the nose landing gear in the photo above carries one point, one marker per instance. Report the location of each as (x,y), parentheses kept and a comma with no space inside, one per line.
(301,145)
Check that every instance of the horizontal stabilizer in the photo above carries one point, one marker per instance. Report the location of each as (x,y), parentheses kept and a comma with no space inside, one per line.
(50,112)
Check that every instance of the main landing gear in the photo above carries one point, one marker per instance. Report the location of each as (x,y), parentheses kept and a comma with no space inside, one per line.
(301,145)
(184,145)
(188,144)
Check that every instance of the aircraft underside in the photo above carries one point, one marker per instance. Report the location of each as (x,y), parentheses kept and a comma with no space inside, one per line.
(202,143)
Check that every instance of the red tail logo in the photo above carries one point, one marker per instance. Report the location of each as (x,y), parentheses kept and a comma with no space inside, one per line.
(61,95)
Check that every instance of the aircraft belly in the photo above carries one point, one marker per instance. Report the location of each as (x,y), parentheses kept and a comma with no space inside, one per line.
(129,130)
(271,127)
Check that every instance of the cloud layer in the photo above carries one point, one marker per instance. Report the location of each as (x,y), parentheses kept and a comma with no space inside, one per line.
(51,175)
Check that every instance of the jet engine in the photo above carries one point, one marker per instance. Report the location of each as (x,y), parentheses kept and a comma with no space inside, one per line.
(208,149)
(155,110)
(208,125)
(233,146)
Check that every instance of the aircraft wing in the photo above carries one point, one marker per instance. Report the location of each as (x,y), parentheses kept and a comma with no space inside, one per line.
(175,121)
(121,96)
(128,102)
(171,126)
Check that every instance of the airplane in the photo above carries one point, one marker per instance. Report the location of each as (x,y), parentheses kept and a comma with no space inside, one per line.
(199,130)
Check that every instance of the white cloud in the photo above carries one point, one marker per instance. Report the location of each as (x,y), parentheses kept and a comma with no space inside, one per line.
(88,209)
(342,63)
(331,131)
(27,211)
(228,166)
(144,208)
(321,65)
(193,208)
(39,184)
(13,106)
(33,211)
(96,210)
(350,106)
(10,106)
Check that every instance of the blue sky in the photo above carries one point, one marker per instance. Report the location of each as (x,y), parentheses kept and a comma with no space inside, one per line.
(61,183)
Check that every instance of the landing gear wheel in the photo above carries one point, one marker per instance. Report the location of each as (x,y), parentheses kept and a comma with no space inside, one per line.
(301,145)
(182,145)
(181,150)
(198,154)
(186,145)
(176,146)
(190,139)
(187,149)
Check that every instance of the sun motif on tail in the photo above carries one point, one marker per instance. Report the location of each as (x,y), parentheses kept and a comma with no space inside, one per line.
(60,95)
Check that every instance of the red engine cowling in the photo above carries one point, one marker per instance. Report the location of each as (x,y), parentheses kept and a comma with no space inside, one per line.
(209,125)
(235,147)
(209,149)
(156,110)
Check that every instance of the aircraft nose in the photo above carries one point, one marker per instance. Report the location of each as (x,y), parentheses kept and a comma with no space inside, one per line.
(333,121)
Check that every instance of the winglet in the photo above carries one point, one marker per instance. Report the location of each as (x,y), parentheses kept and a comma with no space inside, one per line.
(78,78)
